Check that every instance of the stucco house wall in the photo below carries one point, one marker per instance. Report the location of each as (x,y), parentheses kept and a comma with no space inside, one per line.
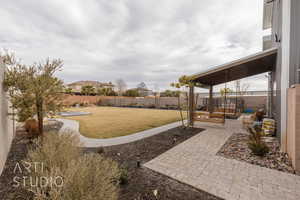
(285,36)
(6,123)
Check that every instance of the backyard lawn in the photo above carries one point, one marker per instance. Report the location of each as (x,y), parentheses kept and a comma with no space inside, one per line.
(108,122)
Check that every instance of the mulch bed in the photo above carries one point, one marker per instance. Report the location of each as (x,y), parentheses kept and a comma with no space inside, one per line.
(143,181)
(18,152)
(236,148)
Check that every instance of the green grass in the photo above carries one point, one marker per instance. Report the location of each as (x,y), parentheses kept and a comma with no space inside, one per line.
(108,122)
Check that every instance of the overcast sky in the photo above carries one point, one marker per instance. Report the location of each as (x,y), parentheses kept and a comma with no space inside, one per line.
(136,40)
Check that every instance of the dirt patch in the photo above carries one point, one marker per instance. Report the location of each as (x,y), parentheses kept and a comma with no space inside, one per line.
(236,148)
(143,181)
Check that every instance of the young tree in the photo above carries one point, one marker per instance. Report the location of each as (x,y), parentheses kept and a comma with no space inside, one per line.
(121,86)
(142,85)
(156,94)
(240,91)
(224,91)
(68,90)
(87,90)
(170,93)
(106,92)
(132,93)
(184,82)
(34,90)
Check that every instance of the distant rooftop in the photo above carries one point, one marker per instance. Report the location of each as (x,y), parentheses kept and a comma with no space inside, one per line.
(92,83)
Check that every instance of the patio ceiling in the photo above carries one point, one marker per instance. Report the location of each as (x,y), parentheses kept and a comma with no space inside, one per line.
(248,66)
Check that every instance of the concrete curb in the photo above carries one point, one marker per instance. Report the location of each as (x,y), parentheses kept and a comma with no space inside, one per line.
(72,125)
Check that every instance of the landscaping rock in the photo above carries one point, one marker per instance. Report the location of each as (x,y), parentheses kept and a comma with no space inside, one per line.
(236,148)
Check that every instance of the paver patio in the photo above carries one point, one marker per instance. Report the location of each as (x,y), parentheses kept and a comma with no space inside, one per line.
(195,162)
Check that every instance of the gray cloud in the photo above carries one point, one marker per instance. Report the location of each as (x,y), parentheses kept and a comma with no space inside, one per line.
(137,40)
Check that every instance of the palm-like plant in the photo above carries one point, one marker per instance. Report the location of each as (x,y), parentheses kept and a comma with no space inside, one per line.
(255,143)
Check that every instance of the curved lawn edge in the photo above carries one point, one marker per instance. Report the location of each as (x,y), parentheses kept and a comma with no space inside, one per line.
(72,125)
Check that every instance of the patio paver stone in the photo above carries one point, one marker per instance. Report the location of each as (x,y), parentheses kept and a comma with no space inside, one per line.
(195,162)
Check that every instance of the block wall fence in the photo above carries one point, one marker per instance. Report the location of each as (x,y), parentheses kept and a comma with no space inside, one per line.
(250,102)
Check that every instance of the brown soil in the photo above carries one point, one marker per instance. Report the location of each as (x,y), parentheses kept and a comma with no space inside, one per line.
(236,148)
(143,181)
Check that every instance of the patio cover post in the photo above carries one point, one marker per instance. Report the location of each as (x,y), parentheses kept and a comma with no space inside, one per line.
(191,106)
(210,100)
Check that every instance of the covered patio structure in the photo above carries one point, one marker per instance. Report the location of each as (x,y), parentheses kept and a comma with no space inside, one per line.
(262,62)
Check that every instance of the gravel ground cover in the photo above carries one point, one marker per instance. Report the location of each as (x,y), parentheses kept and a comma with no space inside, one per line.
(236,148)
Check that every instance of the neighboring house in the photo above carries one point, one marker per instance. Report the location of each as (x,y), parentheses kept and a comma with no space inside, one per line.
(77,86)
(144,92)
(280,58)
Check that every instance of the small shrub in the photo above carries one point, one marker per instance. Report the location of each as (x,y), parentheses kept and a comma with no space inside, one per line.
(258,149)
(152,106)
(100,150)
(31,126)
(91,177)
(82,104)
(55,150)
(123,179)
(99,102)
(255,143)
(85,176)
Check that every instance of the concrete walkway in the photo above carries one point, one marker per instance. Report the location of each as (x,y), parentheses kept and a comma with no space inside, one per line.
(194,162)
(73,126)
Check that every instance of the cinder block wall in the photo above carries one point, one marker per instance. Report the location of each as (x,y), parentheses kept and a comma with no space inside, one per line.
(253,102)
(291,144)
(6,124)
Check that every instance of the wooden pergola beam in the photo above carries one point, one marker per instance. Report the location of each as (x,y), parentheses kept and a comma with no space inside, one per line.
(254,64)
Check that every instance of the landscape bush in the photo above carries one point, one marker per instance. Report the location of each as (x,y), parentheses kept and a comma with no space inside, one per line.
(255,143)
(80,176)
(91,177)
(151,106)
(123,179)
(99,102)
(32,128)
(83,104)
